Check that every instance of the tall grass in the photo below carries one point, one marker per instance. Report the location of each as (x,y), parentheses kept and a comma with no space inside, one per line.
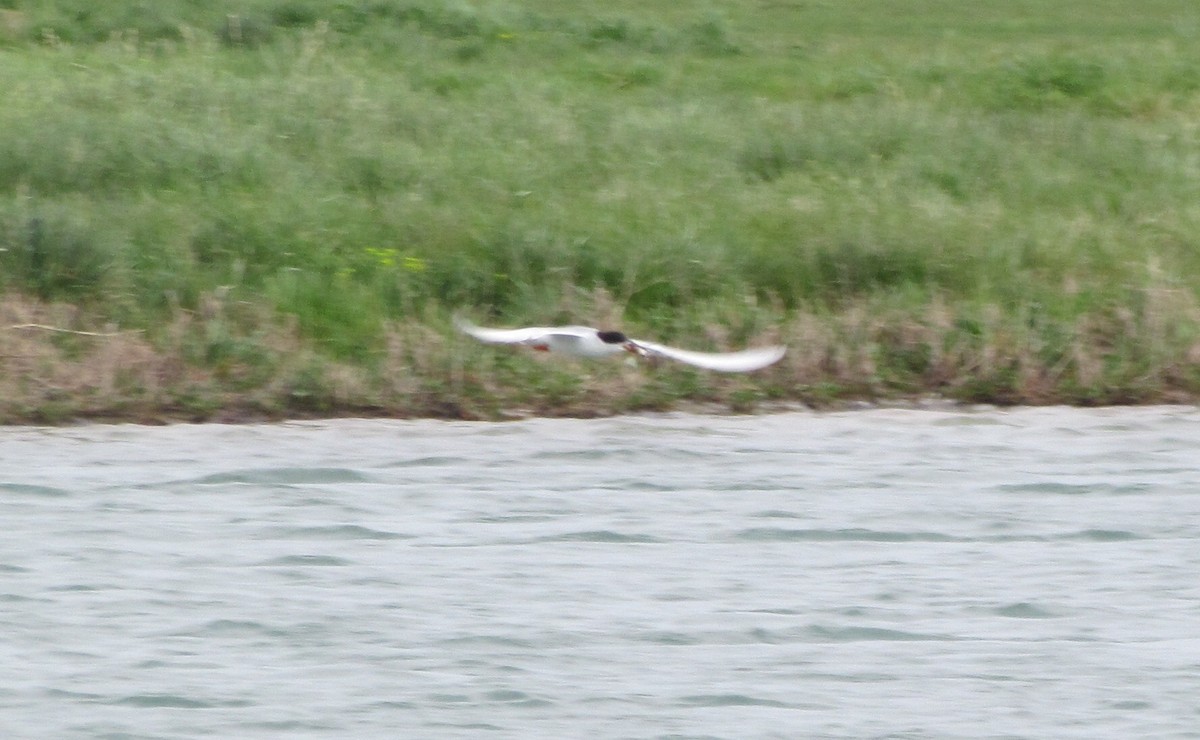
(994,204)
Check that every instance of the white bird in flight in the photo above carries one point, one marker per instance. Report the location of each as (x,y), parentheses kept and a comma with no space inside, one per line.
(586,342)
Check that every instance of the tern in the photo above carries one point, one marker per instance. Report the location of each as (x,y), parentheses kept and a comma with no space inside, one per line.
(587,342)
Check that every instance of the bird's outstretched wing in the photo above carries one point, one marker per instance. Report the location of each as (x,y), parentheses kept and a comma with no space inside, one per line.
(528,335)
(728,362)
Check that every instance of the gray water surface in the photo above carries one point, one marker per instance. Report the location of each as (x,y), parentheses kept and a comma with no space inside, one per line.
(1029,573)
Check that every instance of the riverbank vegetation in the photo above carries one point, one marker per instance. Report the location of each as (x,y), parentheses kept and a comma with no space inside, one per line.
(273,207)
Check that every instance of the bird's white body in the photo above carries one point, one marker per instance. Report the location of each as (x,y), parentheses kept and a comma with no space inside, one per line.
(586,342)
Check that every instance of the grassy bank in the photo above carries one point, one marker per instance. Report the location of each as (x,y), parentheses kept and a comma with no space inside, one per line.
(271,207)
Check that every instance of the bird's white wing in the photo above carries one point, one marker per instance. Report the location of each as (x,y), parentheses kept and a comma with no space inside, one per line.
(501,336)
(526,335)
(728,362)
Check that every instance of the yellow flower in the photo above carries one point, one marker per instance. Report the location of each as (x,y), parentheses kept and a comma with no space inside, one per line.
(384,256)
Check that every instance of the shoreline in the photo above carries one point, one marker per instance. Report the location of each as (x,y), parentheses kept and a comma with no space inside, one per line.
(214,366)
(243,417)
(58,368)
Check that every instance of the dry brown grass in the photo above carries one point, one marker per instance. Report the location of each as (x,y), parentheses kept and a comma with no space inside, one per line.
(232,360)
(48,367)
(13,23)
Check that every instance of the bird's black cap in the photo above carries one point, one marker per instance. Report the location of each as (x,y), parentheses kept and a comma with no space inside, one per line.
(612,337)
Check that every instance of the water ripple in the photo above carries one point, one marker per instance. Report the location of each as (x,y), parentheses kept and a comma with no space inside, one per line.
(175,701)
(307,560)
(336,532)
(730,700)
(601,536)
(871,634)
(285,477)
(429,461)
(26,489)
(1025,610)
(777,534)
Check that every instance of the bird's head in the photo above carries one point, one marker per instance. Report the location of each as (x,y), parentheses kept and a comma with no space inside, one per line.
(616,337)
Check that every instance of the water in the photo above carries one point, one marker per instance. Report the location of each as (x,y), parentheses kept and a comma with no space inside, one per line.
(1031,573)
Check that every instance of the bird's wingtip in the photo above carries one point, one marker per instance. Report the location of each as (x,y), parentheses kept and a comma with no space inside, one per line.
(774,354)
(461,323)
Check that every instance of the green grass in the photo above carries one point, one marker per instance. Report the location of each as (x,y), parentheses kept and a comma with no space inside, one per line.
(992,203)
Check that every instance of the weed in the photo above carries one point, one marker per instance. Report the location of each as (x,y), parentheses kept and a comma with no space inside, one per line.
(941,197)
